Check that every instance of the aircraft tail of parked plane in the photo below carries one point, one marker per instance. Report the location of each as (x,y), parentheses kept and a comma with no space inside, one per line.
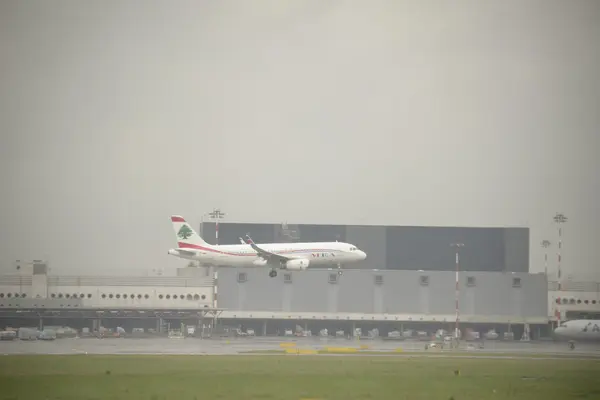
(290,256)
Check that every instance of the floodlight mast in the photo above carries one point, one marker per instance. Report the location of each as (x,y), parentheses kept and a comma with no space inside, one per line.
(545,244)
(560,219)
(216,214)
(457,246)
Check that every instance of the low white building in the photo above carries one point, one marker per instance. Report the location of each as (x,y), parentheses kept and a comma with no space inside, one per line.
(31,284)
(575,297)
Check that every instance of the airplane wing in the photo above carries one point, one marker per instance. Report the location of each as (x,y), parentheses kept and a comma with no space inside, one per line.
(267,255)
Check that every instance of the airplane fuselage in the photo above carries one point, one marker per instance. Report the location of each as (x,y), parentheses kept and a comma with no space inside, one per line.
(317,253)
(579,330)
(288,256)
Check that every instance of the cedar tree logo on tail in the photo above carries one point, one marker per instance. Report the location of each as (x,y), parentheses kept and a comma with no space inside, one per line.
(184,233)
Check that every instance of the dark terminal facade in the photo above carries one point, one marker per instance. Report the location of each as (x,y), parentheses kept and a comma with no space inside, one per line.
(398,247)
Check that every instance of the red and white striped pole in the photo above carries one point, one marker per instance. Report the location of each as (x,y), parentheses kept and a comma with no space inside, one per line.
(457,294)
(217,232)
(545,245)
(217,214)
(457,291)
(559,219)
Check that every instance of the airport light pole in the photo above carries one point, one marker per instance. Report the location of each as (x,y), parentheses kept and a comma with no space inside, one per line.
(560,219)
(545,244)
(457,246)
(216,214)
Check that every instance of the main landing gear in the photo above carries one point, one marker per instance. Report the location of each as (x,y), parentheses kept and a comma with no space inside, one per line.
(340,271)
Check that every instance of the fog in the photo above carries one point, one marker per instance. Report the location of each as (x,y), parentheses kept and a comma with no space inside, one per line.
(116,114)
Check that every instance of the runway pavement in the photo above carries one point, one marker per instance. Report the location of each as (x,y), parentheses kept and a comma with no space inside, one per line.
(195,346)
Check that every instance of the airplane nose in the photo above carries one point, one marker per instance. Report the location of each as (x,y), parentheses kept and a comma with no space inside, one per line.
(363,255)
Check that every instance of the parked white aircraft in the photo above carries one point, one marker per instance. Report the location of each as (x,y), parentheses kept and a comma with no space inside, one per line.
(289,256)
(579,329)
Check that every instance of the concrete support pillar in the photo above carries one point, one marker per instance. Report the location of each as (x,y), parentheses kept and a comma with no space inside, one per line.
(264,328)
(526,335)
(41,328)
(353,329)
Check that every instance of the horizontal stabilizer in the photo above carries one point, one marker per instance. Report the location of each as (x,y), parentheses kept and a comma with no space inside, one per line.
(186,252)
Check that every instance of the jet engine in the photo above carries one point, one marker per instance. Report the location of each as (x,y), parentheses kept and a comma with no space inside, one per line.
(299,264)
(261,262)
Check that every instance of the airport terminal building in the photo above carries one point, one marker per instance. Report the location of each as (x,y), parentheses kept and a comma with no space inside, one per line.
(406,282)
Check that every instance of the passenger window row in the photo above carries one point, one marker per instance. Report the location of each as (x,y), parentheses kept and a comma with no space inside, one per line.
(573,301)
(110,296)
(70,296)
(160,296)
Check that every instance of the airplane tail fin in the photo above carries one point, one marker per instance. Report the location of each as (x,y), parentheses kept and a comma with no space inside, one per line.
(185,234)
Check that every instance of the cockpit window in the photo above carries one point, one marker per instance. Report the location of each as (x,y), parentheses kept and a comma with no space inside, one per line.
(352,248)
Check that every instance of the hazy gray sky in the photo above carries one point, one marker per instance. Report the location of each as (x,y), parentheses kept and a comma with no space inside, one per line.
(116,114)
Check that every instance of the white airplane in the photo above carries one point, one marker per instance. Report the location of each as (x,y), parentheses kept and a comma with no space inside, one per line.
(289,256)
(579,329)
